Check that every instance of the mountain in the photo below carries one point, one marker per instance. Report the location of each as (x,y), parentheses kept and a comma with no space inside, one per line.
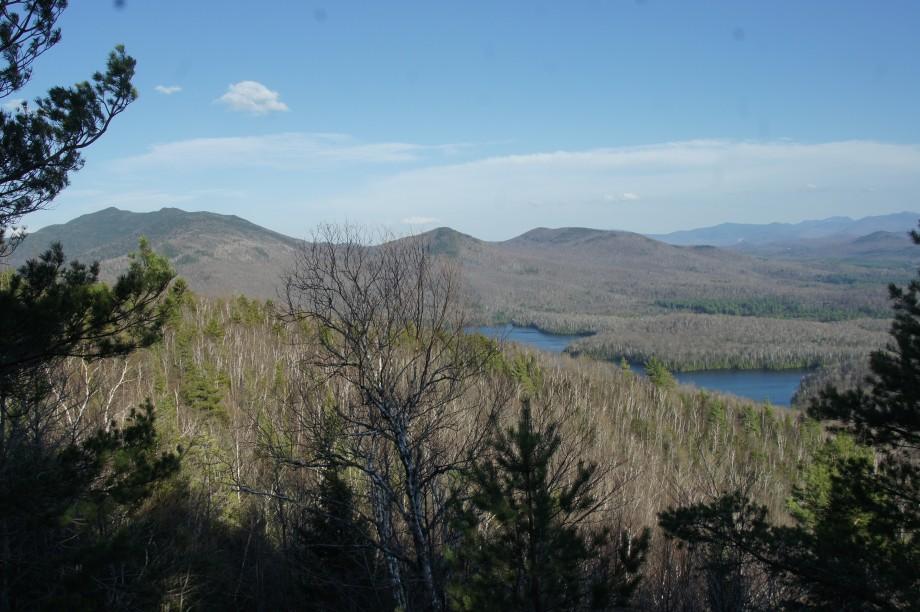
(566,272)
(735,234)
(216,254)
(878,249)
(547,275)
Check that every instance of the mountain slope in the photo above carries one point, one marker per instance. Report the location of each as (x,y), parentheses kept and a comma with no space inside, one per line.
(552,274)
(731,234)
(540,275)
(216,254)
(893,250)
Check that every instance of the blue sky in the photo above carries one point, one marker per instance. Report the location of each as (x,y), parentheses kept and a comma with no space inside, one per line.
(495,117)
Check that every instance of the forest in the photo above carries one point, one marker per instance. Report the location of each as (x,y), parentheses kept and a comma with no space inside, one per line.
(260,428)
(350,446)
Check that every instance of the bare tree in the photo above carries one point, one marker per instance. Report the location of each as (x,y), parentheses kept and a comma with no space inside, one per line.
(412,408)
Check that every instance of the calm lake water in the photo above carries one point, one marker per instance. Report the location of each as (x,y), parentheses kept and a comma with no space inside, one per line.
(774,386)
(552,343)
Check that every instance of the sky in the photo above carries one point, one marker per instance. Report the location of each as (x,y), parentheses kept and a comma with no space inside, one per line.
(497,117)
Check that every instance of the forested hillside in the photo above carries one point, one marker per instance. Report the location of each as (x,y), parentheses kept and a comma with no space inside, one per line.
(636,295)
(571,271)
(246,521)
(216,254)
(178,442)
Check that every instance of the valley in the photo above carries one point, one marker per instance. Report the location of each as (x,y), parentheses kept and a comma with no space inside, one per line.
(694,307)
(459,307)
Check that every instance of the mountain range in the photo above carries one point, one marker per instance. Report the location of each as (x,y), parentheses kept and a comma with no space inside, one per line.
(542,273)
(832,229)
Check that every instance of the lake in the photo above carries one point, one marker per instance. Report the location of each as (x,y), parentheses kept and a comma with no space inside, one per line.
(551,343)
(774,386)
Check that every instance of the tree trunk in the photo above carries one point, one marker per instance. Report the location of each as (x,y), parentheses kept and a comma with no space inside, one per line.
(416,516)
(384,524)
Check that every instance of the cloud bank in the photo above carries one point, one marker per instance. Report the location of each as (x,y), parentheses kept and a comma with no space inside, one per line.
(168,90)
(311,178)
(294,151)
(653,188)
(417,220)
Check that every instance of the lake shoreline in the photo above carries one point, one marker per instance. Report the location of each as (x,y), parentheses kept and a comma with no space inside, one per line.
(776,386)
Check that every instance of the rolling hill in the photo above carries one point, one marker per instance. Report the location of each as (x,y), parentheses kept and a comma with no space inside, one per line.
(216,254)
(573,273)
(882,249)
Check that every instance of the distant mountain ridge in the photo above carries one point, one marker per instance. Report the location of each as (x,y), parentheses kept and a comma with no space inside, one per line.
(734,234)
(541,273)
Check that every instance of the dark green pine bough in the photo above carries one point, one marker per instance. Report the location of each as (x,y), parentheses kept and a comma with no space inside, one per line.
(855,544)
(66,493)
(536,551)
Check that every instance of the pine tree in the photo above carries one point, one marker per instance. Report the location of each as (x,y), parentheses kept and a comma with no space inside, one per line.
(336,565)
(526,542)
(65,494)
(42,145)
(856,545)
(659,374)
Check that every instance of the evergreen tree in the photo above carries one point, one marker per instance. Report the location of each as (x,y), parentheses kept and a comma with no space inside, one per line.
(526,542)
(67,494)
(63,532)
(337,567)
(42,144)
(856,544)
(659,374)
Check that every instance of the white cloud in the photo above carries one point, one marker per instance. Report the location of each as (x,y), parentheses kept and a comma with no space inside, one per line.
(419,221)
(682,184)
(252,97)
(289,151)
(168,90)
(656,188)
(627,196)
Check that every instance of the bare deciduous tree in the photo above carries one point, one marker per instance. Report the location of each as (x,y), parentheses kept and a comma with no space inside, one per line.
(411,408)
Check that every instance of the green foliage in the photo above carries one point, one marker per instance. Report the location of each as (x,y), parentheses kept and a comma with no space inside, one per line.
(715,414)
(811,496)
(856,541)
(773,307)
(524,370)
(52,310)
(67,493)
(335,564)
(56,526)
(525,543)
(249,312)
(42,146)
(200,389)
(213,329)
(658,373)
(750,419)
